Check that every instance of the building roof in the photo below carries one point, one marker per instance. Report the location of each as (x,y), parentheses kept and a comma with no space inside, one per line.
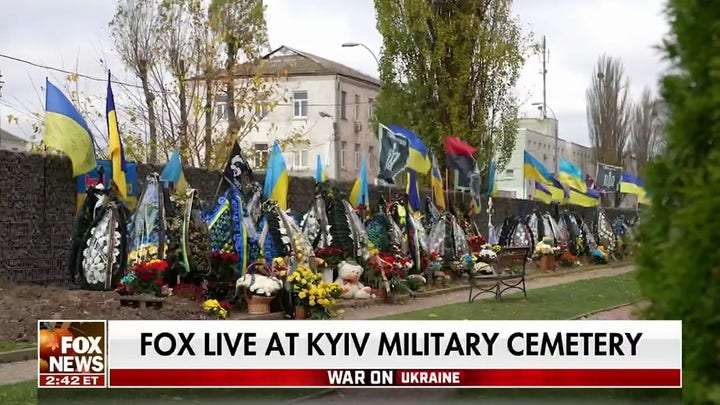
(299,63)
(11,137)
(288,62)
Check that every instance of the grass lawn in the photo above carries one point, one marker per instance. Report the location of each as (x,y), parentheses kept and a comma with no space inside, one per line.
(10,346)
(563,301)
(27,393)
(560,302)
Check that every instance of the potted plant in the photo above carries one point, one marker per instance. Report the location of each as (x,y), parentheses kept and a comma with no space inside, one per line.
(216,308)
(224,265)
(547,253)
(259,291)
(568,259)
(314,298)
(145,278)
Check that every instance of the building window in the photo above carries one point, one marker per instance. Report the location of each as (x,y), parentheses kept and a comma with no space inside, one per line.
(262,108)
(300,104)
(261,155)
(357,107)
(221,110)
(343,105)
(357,156)
(371,108)
(343,146)
(510,173)
(301,158)
(371,156)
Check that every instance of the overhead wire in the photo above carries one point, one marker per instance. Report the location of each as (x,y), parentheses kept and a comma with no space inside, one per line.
(115,80)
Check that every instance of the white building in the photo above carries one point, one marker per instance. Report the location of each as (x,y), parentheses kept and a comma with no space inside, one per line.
(12,142)
(331,104)
(536,136)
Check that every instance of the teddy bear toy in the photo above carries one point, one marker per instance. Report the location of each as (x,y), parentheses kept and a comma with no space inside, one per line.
(349,279)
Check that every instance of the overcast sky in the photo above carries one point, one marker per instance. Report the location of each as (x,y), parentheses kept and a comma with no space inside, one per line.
(73,34)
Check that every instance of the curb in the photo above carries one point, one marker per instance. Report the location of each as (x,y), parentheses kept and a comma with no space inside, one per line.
(15,356)
(585,315)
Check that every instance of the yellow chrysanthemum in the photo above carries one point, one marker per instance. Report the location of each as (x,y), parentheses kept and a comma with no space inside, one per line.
(311,303)
(302,294)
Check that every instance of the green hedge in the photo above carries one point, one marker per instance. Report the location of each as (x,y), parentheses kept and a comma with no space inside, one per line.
(679,258)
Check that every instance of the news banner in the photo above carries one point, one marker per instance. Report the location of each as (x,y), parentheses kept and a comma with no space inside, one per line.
(308,354)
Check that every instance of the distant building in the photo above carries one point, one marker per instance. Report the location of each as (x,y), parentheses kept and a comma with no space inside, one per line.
(12,142)
(331,104)
(536,136)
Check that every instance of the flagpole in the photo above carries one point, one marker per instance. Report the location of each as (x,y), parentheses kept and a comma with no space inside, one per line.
(447,190)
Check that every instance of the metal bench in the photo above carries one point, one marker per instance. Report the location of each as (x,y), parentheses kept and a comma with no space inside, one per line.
(509,274)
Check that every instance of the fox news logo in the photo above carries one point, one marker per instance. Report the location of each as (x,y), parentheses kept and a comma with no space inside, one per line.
(71,353)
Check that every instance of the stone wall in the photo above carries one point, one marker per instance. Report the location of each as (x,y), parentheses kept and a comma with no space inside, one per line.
(37,208)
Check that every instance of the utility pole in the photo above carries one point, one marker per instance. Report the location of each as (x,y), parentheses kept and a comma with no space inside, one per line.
(544,75)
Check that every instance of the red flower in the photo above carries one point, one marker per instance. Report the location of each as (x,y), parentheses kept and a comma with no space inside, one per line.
(225,305)
(159,282)
(146,275)
(328,252)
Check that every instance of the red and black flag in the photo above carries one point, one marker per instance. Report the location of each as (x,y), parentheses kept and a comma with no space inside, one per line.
(459,156)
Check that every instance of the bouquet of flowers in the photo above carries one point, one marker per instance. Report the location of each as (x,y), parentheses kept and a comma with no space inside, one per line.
(258,284)
(568,259)
(600,255)
(485,255)
(224,264)
(416,282)
(312,293)
(544,249)
(435,261)
(494,248)
(331,255)
(476,242)
(145,278)
(216,308)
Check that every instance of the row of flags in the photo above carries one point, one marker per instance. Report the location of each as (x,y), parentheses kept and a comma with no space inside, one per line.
(400,149)
(67,131)
(571,186)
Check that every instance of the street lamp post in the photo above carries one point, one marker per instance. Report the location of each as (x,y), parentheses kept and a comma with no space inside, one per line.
(2,83)
(354,44)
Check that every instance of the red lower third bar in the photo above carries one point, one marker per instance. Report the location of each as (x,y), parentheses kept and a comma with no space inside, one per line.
(398,378)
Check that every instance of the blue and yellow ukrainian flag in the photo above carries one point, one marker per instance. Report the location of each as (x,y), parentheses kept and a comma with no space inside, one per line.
(542,193)
(630,184)
(436,184)
(320,173)
(277,181)
(360,194)
(589,198)
(535,170)
(571,176)
(117,154)
(67,131)
(173,173)
(418,160)
(412,191)
(492,185)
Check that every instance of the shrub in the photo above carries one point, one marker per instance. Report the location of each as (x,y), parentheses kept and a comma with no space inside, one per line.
(678,258)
